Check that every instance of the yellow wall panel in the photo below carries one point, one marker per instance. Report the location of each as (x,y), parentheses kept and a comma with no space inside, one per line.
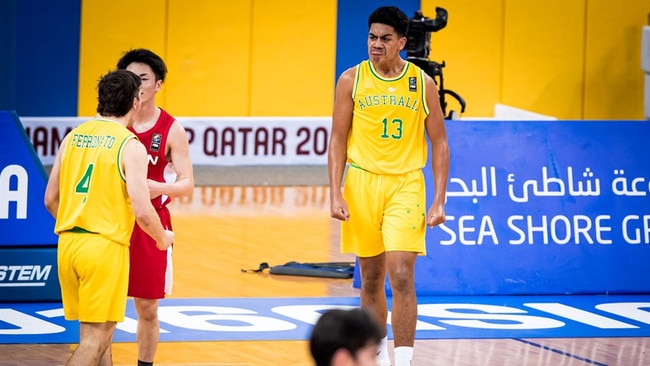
(544,56)
(209,58)
(470,45)
(293,53)
(569,59)
(613,75)
(108,29)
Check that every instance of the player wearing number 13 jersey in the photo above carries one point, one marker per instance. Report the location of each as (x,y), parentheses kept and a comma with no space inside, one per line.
(385,108)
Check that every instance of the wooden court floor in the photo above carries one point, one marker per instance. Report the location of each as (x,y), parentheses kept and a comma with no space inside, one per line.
(223,229)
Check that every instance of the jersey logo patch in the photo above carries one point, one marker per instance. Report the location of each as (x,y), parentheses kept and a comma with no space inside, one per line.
(155,142)
(413,85)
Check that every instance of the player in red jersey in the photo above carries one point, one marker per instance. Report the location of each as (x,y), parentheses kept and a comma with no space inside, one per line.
(167,146)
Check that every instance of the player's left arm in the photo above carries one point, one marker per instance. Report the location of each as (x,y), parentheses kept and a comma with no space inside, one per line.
(180,157)
(437,133)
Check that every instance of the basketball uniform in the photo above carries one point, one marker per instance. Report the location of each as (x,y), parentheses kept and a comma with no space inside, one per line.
(94,223)
(387,149)
(151,268)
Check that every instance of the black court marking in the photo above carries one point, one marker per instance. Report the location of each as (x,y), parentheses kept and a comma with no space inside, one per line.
(562,353)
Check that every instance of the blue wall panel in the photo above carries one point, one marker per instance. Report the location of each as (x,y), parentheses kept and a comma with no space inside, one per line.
(556,207)
(46,57)
(8,52)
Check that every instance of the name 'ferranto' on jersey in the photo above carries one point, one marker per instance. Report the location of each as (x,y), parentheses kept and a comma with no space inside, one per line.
(92,141)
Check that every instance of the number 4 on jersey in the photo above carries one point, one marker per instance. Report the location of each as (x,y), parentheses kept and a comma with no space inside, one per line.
(84,182)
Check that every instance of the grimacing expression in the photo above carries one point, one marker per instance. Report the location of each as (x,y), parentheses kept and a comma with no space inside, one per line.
(384,42)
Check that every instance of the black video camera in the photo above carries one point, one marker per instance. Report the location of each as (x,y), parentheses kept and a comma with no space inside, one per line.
(418,47)
(419,32)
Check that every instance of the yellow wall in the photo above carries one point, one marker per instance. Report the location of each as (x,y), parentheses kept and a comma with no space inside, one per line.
(471,46)
(613,76)
(225,58)
(293,58)
(576,59)
(542,61)
(108,28)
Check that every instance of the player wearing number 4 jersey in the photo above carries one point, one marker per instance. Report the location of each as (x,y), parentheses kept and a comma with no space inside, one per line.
(384,110)
(97,188)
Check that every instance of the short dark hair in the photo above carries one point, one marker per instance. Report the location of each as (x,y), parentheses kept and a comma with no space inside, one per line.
(392,16)
(115,93)
(145,56)
(342,329)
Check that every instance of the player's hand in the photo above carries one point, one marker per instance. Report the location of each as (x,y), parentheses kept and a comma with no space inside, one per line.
(167,240)
(436,216)
(339,210)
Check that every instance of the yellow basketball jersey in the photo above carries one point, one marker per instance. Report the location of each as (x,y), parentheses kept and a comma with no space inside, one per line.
(92,185)
(387,134)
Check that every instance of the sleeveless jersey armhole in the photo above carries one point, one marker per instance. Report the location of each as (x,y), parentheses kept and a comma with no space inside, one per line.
(424,92)
(120,166)
(357,73)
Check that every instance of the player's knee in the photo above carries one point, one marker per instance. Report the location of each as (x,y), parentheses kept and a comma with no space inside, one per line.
(147,310)
(402,281)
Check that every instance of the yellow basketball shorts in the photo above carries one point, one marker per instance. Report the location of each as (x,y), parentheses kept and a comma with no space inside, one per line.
(94,277)
(387,213)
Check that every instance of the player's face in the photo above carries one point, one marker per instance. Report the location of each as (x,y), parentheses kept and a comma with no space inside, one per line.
(383,42)
(149,86)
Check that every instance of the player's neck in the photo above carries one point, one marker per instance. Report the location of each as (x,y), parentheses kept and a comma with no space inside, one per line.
(124,120)
(146,117)
(147,110)
(389,68)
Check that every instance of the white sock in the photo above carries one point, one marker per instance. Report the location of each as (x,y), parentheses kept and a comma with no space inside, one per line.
(403,356)
(382,356)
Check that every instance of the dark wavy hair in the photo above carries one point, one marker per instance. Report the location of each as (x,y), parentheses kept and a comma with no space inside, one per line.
(392,16)
(115,93)
(145,56)
(342,329)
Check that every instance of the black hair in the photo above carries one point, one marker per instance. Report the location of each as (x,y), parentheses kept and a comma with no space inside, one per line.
(392,16)
(342,329)
(115,93)
(143,55)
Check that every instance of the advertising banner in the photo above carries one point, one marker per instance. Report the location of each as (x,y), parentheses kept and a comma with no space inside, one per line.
(29,274)
(28,270)
(533,207)
(217,141)
(23,217)
(542,208)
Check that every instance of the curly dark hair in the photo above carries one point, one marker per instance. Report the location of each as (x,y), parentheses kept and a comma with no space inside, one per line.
(115,93)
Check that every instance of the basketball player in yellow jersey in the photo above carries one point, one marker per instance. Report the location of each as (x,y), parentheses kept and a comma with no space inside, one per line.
(97,188)
(385,108)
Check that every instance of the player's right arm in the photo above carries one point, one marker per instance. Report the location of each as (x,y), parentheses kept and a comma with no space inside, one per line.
(337,151)
(52,188)
(134,161)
